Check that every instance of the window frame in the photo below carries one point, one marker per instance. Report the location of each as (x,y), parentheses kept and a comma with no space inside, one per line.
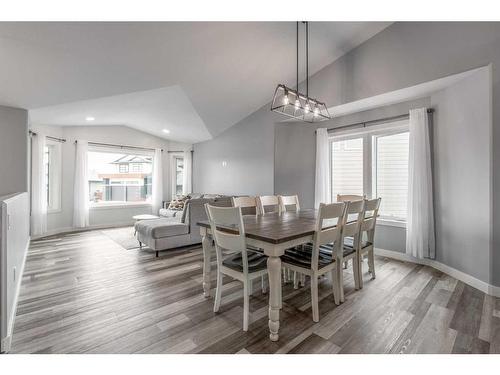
(119,204)
(369,136)
(54,185)
(173,172)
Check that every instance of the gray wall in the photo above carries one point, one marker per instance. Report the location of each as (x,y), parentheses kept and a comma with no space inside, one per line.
(403,55)
(295,159)
(462,174)
(248,150)
(13,150)
(109,216)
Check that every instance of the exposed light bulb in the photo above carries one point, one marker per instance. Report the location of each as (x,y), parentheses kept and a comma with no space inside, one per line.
(307,108)
(297,104)
(286,100)
(89,118)
(316,111)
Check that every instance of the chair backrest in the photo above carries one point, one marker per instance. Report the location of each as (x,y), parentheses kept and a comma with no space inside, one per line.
(328,230)
(349,197)
(248,205)
(353,218)
(228,217)
(370,213)
(267,203)
(288,203)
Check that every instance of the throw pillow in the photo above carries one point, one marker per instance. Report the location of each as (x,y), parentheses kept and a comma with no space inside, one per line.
(178,204)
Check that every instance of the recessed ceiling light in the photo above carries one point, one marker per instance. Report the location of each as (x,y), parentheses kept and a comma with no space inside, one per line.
(89,118)
(166,131)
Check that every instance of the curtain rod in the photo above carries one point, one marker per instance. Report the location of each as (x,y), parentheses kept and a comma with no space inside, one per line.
(119,146)
(177,152)
(62,140)
(374,122)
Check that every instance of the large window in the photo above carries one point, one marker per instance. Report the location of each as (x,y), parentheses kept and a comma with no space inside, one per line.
(391,174)
(177,175)
(52,169)
(120,178)
(347,164)
(373,163)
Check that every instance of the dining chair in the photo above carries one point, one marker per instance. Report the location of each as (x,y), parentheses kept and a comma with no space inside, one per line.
(243,264)
(248,205)
(349,197)
(367,230)
(351,228)
(315,263)
(288,203)
(267,203)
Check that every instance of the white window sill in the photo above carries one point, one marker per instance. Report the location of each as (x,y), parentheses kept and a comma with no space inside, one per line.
(111,205)
(391,223)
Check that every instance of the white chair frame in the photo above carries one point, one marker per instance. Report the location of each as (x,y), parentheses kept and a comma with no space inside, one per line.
(351,228)
(288,200)
(245,202)
(369,223)
(329,234)
(350,197)
(231,216)
(267,200)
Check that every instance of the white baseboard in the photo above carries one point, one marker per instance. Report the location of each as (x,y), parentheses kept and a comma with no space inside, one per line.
(489,289)
(54,232)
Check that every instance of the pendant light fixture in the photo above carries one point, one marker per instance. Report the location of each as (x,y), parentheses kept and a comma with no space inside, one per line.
(294,104)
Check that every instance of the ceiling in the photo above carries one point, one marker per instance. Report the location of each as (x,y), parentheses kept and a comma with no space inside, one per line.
(195,79)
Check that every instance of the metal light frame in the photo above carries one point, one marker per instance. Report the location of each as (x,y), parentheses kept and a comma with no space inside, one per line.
(294,104)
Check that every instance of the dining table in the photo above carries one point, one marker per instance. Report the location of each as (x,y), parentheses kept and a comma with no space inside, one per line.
(273,233)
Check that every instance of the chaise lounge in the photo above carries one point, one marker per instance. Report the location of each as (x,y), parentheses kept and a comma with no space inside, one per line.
(177,228)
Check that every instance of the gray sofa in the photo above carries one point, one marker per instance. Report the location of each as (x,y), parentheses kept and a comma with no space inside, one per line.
(176,229)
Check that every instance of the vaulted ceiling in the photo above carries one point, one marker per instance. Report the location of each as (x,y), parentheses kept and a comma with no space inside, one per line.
(195,79)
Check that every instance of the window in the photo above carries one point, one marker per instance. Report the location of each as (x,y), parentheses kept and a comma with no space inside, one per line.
(374,163)
(112,178)
(178,176)
(391,174)
(52,167)
(347,167)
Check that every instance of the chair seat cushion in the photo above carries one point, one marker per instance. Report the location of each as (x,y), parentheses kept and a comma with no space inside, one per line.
(328,249)
(256,261)
(160,228)
(349,241)
(302,257)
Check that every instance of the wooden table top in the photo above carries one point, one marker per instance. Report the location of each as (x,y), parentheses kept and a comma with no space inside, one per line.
(275,228)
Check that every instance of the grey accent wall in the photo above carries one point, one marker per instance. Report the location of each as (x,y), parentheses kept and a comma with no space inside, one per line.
(295,159)
(13,150)
(247,149)
(462,174)
(403,55)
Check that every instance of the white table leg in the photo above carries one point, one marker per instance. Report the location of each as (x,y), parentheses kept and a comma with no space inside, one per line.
(274,271)
(207,252)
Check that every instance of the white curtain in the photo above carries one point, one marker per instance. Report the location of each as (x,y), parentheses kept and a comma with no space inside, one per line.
(157,193)
(322,182)
(420,241)
(81,197)
(186,177)
(38,186)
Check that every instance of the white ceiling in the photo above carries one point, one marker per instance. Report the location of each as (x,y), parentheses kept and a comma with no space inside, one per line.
(201,77)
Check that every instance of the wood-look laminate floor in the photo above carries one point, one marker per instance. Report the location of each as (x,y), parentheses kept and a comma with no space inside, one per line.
(83,293)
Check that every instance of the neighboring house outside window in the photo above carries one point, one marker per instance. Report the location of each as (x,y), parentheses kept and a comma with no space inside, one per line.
(119,178)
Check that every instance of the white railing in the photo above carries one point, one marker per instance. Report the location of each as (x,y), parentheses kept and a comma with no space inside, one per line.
(14,242)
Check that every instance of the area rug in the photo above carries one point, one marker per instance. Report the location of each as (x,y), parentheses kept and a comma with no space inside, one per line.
(123,237)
